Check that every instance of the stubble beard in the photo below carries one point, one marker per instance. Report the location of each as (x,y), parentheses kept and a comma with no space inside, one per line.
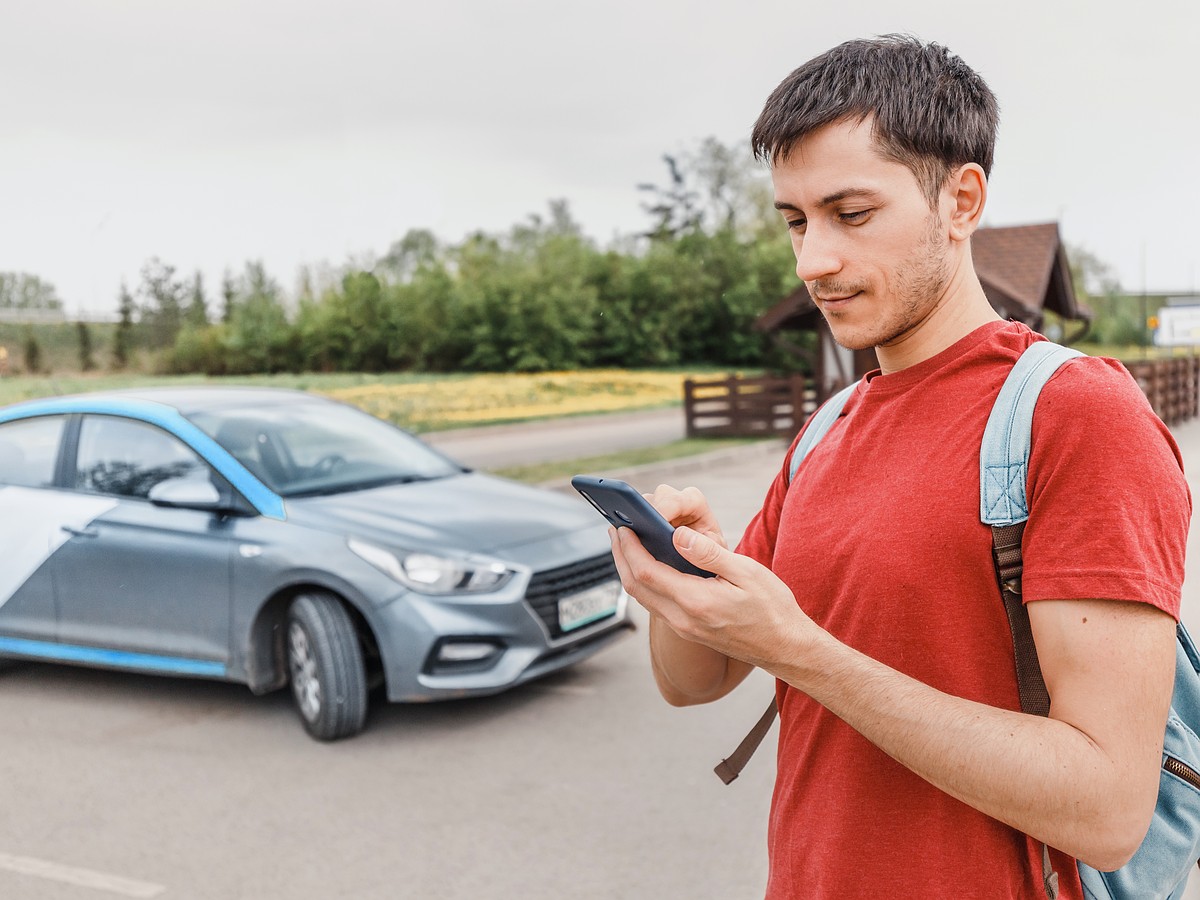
(913,291)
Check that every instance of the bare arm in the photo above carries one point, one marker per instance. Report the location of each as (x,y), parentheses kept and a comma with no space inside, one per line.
(1083,780)
(686,672)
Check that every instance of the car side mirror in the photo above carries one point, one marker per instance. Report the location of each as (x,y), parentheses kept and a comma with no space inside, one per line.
(186,493)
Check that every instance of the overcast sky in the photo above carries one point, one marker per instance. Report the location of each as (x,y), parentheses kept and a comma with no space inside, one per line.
(211,132)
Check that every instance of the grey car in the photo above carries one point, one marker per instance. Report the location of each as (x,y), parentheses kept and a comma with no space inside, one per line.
(271,537)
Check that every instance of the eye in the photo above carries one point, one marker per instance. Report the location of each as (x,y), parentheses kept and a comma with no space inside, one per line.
(797,224)
(856,217)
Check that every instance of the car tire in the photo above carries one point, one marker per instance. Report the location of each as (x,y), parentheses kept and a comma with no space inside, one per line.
(325,667)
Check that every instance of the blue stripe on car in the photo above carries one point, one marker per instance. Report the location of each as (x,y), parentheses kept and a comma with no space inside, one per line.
(266,501)
(99,656)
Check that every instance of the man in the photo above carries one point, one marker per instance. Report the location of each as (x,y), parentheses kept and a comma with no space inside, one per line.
(905,768)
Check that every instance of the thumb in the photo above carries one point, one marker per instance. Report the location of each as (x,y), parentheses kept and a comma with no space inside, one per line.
(701,550)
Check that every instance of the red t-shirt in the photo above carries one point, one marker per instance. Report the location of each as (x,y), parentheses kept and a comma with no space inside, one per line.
(880,540)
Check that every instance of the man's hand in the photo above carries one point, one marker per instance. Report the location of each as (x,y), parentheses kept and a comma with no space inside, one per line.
(706,634)
(745,612)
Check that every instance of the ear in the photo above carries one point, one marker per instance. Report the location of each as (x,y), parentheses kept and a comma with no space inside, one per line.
(966,194)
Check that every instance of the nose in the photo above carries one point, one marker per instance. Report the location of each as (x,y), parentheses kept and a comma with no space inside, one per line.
(817,255)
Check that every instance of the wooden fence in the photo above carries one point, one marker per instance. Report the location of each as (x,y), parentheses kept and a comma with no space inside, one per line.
(747,407)
(1171,385)
(774,406)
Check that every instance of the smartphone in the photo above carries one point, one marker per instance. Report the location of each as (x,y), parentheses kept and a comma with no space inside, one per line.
(624,506)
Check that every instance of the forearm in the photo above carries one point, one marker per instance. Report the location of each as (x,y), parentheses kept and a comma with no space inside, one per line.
(688,673)
(1042,776)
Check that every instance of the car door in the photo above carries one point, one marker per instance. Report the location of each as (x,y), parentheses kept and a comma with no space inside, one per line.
(31,515)
(140,578)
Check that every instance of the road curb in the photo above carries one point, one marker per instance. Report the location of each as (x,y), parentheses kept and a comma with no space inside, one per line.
(451,435)
(647,476)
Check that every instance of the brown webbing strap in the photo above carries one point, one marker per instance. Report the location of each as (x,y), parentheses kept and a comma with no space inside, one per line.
(1035,699)
(731,767)
(1006,551)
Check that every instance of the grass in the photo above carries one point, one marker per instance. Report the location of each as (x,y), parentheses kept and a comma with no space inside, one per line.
(611,462)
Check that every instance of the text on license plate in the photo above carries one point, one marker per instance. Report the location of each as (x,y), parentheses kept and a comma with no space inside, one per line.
(588,605)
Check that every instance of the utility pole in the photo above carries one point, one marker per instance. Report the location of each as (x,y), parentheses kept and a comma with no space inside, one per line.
(1145,311)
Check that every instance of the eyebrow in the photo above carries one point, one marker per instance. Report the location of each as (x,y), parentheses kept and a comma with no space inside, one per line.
(836,197)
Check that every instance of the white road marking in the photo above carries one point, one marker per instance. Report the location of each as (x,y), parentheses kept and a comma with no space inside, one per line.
(41,868)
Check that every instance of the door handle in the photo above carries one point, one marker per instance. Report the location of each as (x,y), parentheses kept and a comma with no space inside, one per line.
(81,532)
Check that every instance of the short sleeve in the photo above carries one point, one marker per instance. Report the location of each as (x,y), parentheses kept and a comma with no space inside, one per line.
(1109,506)
(758,540)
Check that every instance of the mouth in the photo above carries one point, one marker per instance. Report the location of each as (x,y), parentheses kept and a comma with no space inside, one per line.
(835,302)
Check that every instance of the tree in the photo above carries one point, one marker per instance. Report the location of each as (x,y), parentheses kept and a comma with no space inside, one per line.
(1093,276)
(19,290)
(1117,320)
(228,296)
(32,352)
(196,314)
(733,185)
(123,335)
(674,207)
(419,247)
(163,298)
(86,361)
(259,337)
(712,188)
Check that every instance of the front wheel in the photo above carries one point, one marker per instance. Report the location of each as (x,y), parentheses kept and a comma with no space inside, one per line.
(325,662)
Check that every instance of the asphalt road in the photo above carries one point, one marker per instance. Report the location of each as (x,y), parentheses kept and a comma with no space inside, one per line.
(584,785)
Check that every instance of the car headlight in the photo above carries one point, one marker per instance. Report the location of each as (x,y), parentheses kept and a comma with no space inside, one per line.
(433,574)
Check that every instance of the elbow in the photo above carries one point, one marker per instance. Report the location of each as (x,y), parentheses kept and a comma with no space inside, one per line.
(692,690)
(679,698)
(1111,858)
(1113,843)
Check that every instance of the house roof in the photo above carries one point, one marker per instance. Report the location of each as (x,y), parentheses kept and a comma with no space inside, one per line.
(1023,270)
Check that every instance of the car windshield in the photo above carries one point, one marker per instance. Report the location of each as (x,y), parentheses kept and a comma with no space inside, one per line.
(320,447)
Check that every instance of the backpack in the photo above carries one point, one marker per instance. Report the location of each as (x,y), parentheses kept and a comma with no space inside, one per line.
(1161,866)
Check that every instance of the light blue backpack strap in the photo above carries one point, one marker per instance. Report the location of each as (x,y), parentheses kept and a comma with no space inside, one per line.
(1004,453)
(822,421)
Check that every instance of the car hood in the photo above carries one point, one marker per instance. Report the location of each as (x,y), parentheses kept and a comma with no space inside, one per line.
(472,512)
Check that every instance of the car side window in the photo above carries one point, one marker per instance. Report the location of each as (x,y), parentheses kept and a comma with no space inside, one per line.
(29,450)
(128,458)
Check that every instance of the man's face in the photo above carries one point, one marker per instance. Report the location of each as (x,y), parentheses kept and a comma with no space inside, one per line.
(873,255)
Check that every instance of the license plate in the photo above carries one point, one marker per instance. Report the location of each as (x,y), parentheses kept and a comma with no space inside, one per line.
(588,605)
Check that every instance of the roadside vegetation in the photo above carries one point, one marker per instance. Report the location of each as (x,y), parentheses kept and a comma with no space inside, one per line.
(539,297)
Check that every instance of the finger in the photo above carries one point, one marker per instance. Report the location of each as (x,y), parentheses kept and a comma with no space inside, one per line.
(708,553)
(618,553)
(680,507)
(641,574)
(637,568)
(665,499)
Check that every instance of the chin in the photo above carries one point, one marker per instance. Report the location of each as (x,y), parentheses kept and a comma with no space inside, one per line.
(854,338)
(855,343)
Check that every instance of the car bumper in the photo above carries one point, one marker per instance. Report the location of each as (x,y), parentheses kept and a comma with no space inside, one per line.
(414,628)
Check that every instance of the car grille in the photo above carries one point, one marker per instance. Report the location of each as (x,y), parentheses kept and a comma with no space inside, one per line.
(545,588)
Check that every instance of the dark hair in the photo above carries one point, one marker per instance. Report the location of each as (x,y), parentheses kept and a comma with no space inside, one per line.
(929,109)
